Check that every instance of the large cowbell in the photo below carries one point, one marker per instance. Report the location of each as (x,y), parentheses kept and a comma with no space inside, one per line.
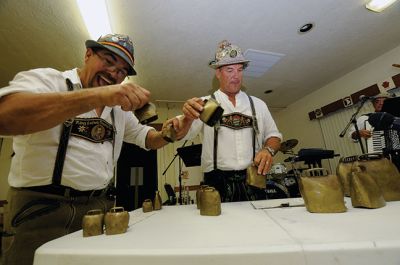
(212,112)
(147,113)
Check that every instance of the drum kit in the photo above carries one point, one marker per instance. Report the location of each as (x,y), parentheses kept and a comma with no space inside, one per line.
(283,183)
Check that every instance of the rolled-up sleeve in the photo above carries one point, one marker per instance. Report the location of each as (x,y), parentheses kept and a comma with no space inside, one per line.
(135,133)
(266,123)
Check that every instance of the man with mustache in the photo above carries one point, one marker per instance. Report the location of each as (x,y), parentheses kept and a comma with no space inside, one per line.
(246,133)
(67,129)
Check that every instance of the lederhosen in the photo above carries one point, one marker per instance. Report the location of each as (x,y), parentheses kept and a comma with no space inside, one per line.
(231,184)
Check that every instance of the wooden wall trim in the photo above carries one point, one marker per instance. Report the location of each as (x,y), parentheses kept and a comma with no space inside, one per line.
(350,100)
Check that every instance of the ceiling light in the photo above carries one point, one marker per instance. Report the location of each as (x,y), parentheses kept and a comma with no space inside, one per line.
(95,15)
(260,62)
(379,5)
(306,28)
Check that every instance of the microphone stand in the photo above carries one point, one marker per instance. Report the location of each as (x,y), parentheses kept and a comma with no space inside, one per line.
(180,173)
(353,120)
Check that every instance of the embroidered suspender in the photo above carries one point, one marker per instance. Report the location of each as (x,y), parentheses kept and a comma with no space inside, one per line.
(255,131)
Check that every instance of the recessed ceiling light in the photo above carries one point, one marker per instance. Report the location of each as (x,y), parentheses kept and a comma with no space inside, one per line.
(306,27)
(268,91)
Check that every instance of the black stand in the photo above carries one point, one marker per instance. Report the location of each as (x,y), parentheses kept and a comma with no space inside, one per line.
(180,181)
(191,156)
(180,172)
(353,120)
(312,156)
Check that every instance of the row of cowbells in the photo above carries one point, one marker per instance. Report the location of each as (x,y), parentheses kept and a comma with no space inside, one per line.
(207,197)
(149,205)
(115,221)
(370,180)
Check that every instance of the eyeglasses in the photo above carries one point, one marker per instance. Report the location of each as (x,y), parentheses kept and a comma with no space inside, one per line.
(109,64)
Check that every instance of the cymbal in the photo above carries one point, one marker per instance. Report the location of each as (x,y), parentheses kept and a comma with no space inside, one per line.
(288,145)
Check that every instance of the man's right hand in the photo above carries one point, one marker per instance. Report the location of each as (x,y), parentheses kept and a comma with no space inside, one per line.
(192,108)
(128,95)
(363,134)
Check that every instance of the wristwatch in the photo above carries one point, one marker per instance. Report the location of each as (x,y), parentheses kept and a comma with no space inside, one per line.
(270,150)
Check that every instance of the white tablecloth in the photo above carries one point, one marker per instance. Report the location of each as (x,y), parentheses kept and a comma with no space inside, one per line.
(240,235)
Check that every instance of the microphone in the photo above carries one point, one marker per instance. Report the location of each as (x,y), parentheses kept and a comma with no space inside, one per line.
(365,98)
(384,121)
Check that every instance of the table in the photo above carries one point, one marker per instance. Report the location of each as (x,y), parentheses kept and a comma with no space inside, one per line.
(240,235)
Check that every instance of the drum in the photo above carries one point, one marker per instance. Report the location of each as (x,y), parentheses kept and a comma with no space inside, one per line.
(278,168)
(292,185)
(277,172)
(275,190)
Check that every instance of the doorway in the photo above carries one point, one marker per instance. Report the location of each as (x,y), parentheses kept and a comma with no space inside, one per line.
(136,176)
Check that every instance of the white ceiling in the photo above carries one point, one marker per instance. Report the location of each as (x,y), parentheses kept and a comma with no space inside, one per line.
(175,39)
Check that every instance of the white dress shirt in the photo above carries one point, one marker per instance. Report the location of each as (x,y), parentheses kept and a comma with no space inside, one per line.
(235,147)
(361,124)
(87,165)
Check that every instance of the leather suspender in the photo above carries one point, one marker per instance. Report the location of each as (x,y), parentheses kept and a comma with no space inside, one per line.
(255,131)
(216,128)
(62,146)
(255,125)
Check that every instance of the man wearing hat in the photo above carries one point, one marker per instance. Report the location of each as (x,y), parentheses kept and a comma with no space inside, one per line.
(364,132)
(67,129)
(245,135)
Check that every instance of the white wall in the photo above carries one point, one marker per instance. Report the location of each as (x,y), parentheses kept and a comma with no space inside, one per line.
(294,122)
